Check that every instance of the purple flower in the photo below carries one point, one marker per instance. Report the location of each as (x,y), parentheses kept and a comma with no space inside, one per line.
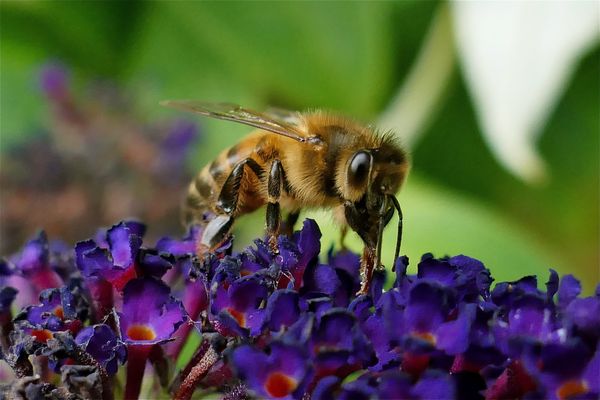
(33,263)
(181,247)
(238,306)
(394,384)
(465,274)
(434,384)
(338,345)
(117,263)
(54,81)
(170,163)
(150,314)
(583,316)
(62,309)
(101,343)
(282,374)
(282,325)
(283,309)
(560,369)
(568,290)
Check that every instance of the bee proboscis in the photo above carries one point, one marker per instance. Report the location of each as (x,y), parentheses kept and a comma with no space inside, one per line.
(295,160)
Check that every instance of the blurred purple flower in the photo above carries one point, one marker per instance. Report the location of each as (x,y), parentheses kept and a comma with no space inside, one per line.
(33,263)
(54,81)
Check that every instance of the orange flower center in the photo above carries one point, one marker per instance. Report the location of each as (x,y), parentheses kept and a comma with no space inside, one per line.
(41,335)
(140,332)
(426,336)
(239,316)
(571,388)
(58,311)
(279,385)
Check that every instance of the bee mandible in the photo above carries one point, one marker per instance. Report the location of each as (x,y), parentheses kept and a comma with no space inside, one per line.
(299,160)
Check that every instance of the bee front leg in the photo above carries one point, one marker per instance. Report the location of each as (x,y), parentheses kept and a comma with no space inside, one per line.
(288,225)
(274,186)
(343,234)
(367,263)
(396,204)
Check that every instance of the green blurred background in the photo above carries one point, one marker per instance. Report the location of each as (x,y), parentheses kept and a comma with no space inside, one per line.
(351,57)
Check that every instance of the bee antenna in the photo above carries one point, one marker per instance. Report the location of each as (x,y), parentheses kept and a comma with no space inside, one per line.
(399,236)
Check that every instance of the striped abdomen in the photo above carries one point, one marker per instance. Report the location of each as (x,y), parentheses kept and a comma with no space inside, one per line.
(203,191)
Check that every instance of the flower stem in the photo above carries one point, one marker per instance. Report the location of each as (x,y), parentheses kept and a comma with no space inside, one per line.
(136,364)
(196,374)
(102,296)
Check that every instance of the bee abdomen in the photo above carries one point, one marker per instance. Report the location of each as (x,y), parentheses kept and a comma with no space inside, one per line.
(200,195)
(204,190)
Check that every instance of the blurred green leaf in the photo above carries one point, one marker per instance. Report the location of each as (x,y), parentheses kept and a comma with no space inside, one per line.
(564,214)
(338,55)
(88,37)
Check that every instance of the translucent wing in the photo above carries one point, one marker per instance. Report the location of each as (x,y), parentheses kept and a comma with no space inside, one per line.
(282,122)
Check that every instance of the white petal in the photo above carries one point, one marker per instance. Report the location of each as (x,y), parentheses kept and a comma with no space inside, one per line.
(517,57)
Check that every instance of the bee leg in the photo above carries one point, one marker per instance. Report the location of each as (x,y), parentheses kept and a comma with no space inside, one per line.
(384,215)
(287,227)
(399,235)
(372,262)
(214,233)
(367,262)
(217,229)
(274,186)
(343,233)
(228,198)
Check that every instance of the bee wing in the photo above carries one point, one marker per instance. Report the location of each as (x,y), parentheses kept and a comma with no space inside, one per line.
(282,122)
(280,114)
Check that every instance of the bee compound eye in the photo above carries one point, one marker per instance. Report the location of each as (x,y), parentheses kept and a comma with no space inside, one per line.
(358,171)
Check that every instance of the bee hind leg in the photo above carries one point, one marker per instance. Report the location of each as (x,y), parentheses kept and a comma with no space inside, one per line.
(274,185)
(215,233)
(218,228)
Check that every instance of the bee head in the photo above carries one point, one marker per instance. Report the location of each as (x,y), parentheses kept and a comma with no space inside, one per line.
(374,173)
(373,176)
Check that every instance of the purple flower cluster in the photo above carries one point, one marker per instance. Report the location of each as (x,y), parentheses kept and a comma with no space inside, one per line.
(287,325)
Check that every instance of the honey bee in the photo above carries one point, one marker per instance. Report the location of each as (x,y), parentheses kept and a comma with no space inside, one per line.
(299,160)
